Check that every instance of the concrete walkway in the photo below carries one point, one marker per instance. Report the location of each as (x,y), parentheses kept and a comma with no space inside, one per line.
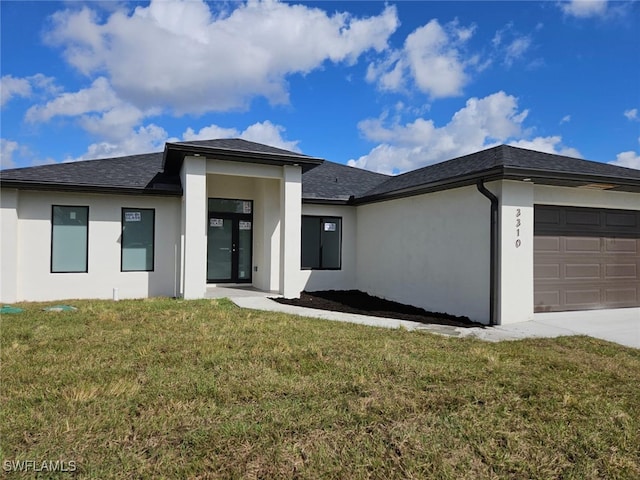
(620,325)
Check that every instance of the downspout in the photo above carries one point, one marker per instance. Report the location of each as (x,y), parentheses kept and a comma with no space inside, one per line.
(493,270)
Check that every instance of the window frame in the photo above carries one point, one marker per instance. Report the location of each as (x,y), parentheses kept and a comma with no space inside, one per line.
(323,219)
(153,240)
(86,259)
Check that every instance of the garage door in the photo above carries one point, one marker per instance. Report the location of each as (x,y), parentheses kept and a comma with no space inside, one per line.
(585,258)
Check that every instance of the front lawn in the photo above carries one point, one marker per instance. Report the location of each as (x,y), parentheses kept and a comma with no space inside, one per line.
(202,389)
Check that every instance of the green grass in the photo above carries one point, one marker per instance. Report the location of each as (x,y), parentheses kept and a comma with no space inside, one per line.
(202,389)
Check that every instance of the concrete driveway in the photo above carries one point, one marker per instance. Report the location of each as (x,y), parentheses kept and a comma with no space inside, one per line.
(620,325)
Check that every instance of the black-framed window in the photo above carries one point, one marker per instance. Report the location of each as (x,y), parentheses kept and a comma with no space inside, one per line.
(138,239)
(69,238)
(321,247)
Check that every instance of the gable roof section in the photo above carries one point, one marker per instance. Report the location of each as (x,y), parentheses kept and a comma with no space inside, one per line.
(336,183)
(506,162)
(235,150)
(132,174)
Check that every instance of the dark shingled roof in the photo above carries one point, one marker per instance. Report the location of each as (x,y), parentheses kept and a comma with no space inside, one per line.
(336,182)
(326,182)
(131,174)
(506,162)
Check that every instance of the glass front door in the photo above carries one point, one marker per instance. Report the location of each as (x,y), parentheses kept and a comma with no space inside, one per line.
(229,241)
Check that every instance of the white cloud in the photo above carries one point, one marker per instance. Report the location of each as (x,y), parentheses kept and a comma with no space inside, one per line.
(261,132)
(151,138)
(481,123)
(207,133)
(269,134)
(628,159)
(11,87)
(565,119)
(117,124)
(7,149)
(15,155)
(145,139)
(98,110)
(552,144)
(184,56)
(512,46)
(516,49)
(631,114)
(432,58)
(114,122)
(97,98)
(584,8)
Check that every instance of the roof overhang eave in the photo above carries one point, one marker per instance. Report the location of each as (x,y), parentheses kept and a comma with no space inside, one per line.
(80,188)
(446,184)
(536,176)
(575,180)
(328,201)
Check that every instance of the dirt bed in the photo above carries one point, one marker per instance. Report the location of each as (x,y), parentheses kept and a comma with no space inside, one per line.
(355,301)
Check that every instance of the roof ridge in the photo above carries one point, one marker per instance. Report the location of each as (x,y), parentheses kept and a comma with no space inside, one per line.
(203,143)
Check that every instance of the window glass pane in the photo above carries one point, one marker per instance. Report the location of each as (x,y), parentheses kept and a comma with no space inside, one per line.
(244,250)
(69,239)
(330,237)
(230,206)
(310,242)
(137,239)
(219,248)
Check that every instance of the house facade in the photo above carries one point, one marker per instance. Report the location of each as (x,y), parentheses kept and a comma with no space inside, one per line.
(497,236)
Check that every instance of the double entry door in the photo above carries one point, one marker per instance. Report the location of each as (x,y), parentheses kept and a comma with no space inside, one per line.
(229,241)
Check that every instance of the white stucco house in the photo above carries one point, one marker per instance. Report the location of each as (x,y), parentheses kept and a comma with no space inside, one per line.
(497,235)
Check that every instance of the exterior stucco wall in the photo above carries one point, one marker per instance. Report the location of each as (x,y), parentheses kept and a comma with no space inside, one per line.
(194,228)
(9,245)
(290,231)
(430,250)
(585,197)
(515,292)
(35,282)
(345,278)
(266,240)
(227,186)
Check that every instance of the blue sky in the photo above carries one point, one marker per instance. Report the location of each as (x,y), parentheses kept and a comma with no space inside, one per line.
(385,86)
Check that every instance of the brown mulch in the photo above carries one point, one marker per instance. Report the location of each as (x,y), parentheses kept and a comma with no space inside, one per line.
(355,301)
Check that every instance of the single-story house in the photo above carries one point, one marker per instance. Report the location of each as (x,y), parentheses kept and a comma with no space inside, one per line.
(497,235)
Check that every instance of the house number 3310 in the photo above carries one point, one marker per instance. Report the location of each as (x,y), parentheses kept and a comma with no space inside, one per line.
(518,224)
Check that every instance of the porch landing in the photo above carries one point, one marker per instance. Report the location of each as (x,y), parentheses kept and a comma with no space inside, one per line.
(237,291)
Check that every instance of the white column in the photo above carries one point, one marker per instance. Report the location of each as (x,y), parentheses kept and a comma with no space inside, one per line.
(9,245)
(515,299)
(194,227)
(290,231)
